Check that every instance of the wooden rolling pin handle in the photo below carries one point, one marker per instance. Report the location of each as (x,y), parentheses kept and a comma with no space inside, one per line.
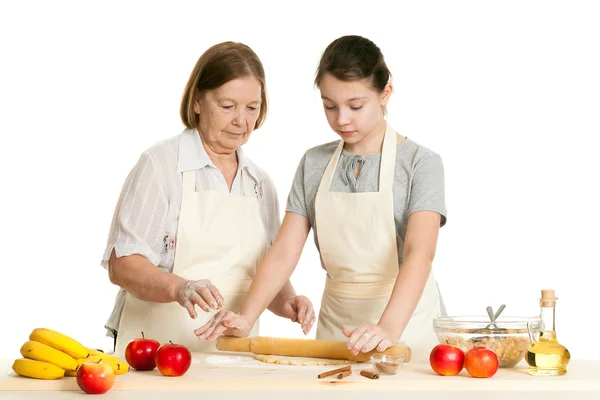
(227,343)
(393,351)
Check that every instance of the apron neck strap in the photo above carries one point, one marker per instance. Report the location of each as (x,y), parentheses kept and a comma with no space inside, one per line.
(189,182)
(386,169)
(327,178)
(388,160)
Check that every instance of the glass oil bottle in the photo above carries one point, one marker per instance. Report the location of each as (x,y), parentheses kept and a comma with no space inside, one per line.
(546,356)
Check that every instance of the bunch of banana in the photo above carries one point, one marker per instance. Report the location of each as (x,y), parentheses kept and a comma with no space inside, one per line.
(60,342)
(42,352)
(51,355)
(37,369)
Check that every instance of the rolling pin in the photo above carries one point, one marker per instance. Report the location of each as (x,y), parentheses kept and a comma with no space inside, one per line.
(303,348)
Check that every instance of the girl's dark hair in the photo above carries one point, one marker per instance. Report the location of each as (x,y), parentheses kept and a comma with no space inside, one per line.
(352,58)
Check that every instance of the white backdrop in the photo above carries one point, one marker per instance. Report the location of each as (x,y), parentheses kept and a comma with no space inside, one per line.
(507,93)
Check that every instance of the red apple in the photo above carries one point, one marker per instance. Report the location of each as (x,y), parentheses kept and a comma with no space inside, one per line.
(446,360)
(95,377)
(481,362)
(173,359)
(140,353)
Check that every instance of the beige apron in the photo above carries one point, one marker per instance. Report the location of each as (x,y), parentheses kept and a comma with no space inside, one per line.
(220,237)
(357,241)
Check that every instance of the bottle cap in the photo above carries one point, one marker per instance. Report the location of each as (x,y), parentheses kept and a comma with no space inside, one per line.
(547,294)
(548,298)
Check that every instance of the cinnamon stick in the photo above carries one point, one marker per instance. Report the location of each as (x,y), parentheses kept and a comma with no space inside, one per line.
(334,372)
(369,374)
(344,374)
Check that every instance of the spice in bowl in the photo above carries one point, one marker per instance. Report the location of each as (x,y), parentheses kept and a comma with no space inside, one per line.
(387,365)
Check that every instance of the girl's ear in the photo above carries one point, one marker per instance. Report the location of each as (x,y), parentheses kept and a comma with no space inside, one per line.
(386,94)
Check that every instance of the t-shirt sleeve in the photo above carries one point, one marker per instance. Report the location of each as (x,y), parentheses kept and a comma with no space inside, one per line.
(139,219)
(428,188)
(296,201)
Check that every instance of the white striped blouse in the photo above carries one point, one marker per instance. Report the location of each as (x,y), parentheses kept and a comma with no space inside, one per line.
(146,215)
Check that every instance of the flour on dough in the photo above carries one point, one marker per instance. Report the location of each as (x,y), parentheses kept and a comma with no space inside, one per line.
(300,361)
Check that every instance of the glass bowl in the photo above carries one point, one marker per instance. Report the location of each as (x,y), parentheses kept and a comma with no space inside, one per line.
(387,365)
(509,340)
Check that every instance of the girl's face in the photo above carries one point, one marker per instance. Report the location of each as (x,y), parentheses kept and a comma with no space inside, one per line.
(354,109)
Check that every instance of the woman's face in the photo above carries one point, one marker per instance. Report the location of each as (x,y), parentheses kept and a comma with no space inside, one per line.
(228,114)
(353,108)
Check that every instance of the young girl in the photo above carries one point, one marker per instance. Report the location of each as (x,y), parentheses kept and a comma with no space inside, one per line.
(375,200)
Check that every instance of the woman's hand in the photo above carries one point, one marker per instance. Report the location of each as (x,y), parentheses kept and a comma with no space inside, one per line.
(201,293)
(299,309)
(367,337)
(225,323)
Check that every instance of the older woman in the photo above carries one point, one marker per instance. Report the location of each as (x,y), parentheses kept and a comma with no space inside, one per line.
(196,216)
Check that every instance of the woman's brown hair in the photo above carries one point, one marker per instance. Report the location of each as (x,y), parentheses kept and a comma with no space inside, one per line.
(218,65)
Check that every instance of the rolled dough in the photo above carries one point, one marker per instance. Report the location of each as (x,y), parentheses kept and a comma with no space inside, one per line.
(300,361)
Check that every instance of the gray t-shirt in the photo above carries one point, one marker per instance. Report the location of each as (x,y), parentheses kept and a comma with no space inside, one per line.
(418,182)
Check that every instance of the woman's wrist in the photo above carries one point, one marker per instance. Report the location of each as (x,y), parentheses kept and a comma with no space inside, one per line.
(174,286)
